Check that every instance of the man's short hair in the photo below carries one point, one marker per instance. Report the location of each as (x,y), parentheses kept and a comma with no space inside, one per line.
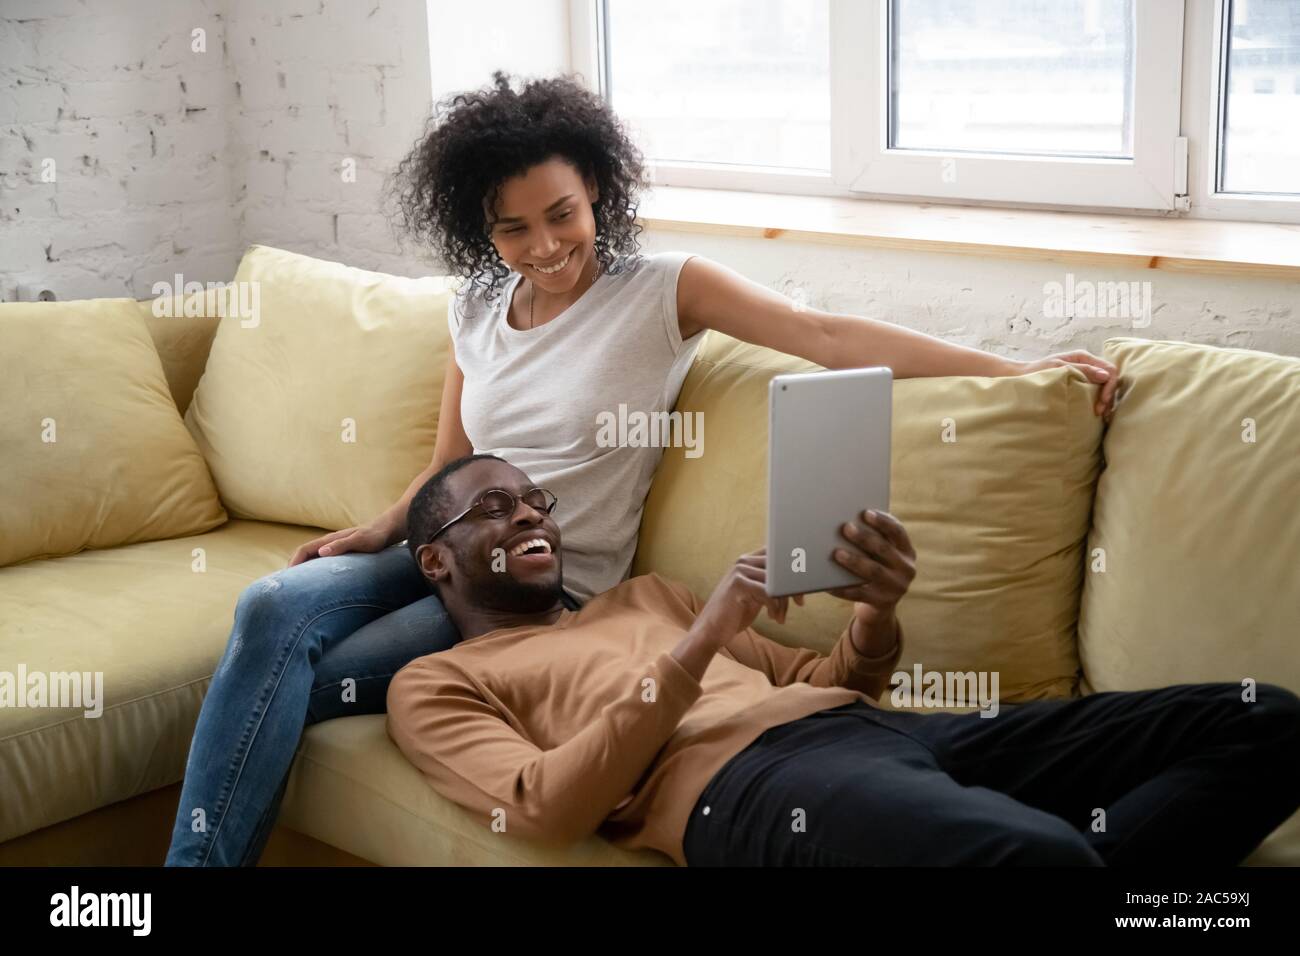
(432,506)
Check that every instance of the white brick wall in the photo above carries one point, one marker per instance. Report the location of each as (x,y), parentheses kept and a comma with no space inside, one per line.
(174,161)
(169,160)
(136,125)
(321,83)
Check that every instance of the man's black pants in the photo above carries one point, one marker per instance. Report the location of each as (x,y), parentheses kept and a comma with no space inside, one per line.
(1184,774)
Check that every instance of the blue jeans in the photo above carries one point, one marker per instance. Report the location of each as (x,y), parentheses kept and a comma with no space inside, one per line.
(1185,775)
(310,643)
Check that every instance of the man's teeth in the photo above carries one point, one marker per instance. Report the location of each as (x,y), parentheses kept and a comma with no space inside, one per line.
(555,268)
(536,542)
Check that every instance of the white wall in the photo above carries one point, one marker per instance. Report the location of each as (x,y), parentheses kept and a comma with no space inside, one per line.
(155,177)
(169,160)
(136,125)
(321,84)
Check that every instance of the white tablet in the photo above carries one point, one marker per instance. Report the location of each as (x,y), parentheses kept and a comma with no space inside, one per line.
(828,461)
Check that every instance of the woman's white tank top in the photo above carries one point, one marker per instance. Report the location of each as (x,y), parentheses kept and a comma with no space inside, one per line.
(573,404)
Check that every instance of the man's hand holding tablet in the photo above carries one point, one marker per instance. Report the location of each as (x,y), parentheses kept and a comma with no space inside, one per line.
(876,550)
(829,457)
(879,552)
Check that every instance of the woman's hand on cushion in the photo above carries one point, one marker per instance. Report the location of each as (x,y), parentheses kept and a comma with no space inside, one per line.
(363,539)
(1098,370)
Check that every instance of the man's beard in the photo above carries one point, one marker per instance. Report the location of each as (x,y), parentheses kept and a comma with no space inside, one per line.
(500,591)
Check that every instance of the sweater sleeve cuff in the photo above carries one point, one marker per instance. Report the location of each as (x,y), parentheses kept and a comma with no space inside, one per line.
(872,666)
(676,684)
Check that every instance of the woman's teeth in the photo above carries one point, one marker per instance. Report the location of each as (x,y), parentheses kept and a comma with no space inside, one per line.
(555,268)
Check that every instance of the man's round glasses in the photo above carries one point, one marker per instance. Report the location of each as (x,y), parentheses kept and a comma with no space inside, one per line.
(499,503)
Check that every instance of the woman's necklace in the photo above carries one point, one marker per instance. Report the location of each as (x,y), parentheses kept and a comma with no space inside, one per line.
(530,302)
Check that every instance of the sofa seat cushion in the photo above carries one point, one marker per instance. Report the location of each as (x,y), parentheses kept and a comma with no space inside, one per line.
(154,627)
(352,788)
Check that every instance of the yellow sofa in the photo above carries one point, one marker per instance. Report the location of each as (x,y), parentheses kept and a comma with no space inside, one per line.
(1068,558)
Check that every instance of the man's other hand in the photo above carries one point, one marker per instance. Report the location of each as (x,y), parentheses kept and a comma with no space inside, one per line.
(740,595)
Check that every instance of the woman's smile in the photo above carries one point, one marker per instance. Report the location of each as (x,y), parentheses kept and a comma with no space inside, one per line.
(555,267)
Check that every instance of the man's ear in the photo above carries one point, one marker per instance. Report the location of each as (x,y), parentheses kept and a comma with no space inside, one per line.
(432,559)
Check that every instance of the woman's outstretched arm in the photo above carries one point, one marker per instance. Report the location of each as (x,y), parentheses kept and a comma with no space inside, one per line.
(710,295)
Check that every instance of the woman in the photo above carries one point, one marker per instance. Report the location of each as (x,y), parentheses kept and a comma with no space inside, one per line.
(531,197)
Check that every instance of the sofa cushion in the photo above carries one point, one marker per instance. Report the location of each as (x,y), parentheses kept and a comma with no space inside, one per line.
(353,789)
(1197,520)
(321,408)
(998,516)
(154,627)
(94,452)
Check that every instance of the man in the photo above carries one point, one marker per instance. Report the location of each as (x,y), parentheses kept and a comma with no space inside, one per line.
(666,723)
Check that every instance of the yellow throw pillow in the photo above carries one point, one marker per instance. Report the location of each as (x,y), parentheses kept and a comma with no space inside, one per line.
(997,514)
(93,451)
(1197,521)
(320,399)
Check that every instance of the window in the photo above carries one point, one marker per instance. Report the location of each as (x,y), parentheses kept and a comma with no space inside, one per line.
(1067,103)
(1062,102)
(1259,131)
(741,82)
(1025,77)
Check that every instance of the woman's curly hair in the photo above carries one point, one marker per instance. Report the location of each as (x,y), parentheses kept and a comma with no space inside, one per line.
(476,140)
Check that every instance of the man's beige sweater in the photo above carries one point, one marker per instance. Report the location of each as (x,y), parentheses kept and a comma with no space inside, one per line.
(590,724)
